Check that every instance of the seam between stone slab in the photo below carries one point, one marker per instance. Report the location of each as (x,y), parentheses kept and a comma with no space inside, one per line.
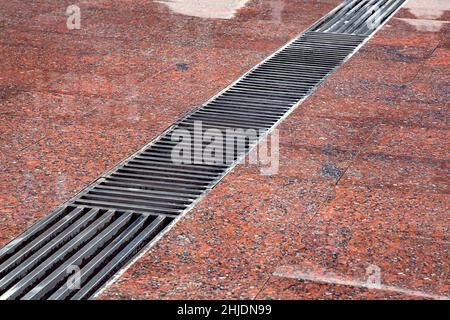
(368,38)
(282,118)
(352,282)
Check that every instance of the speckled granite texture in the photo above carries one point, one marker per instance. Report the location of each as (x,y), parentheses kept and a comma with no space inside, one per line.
(363,176)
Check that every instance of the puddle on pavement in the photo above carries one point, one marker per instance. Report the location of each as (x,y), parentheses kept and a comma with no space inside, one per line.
(217,9)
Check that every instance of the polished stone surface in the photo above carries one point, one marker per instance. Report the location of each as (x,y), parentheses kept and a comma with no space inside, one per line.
(363,162)
(73,103)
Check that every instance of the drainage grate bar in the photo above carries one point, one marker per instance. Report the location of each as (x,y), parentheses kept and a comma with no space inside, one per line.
(359,17)
(102,228)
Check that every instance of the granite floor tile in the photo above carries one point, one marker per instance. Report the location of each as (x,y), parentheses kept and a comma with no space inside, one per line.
(73,103)
(37,105)
(50,171)
(204,282)
(395,53)
(402,158)
(410,141)
(305,126)
(419,9)
(71,44)
(340,86)
(398,32)
(13,82)
(16,137)
(393,211)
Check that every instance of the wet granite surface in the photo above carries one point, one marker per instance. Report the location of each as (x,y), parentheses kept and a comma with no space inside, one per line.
(363,176)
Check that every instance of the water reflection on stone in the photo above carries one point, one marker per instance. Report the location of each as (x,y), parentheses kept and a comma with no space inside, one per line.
(428,9)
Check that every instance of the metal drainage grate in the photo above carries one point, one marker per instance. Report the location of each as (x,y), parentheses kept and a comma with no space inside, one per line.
(359,17)
(150,182)
(98,242)
(100,230)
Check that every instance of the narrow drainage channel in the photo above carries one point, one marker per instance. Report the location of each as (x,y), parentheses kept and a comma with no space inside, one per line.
(102,229)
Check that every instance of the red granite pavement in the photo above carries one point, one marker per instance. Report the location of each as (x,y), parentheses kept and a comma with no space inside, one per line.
(76,102)
(363,177)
